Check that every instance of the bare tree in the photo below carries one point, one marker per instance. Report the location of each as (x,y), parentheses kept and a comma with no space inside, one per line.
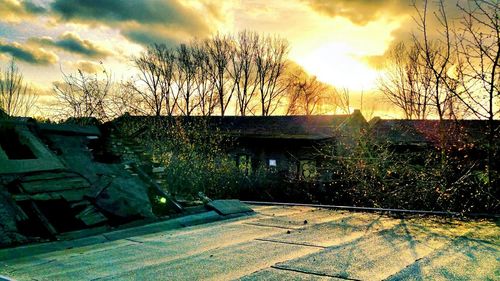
(341,98)
(16,98)
(406,82)
(306,94)
(148,83)
(436,54)
(166,62)
(244,71)
(207,100)
(186,79)
(477,84)
(83,95)
(271,61)
(221,50)
(478,71)
(123,99)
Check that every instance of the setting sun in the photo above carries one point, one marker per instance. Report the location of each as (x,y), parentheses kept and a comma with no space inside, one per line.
(335,64)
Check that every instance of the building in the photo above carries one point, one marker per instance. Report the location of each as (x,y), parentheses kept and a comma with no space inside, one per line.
(285,144)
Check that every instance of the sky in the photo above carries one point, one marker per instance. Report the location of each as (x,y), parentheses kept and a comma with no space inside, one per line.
(342,42)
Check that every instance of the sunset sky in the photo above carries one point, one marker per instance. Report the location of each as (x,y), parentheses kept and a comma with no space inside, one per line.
(342,42)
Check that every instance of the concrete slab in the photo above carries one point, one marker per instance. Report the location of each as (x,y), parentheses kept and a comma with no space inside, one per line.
(278,210)
(134,253)
(205,217)
(352,245)
(219,264)
(273,274)
(300,219)
(335,232)
(463,259)
(372,257)
(229,207)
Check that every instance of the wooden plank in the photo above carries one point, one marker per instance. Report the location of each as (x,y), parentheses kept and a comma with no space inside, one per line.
(74,195)
(48,176)
(21,197)
(91,216)
(54,185)
(68,195)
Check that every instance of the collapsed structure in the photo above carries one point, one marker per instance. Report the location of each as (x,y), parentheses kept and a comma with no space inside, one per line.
(59,180)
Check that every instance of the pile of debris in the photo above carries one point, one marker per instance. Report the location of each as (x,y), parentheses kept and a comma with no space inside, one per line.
(59,180)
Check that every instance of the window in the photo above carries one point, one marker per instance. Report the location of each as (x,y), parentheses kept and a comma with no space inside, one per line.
(272,163)
(245,164)
(14,146)
(308,169)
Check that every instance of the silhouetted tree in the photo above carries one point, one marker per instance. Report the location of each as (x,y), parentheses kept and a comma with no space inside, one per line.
(83,95)
(207,100)
(16,98)
(306,94)
(148,81)
(271,61)
(244,70)
(477,84)
(187,69)
(221,51)
(406,82)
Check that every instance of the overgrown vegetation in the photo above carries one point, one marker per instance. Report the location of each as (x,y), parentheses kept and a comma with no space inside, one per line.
(376,175)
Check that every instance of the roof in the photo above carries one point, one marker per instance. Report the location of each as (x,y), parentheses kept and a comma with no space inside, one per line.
(399,131)
(277,243)
(282,127)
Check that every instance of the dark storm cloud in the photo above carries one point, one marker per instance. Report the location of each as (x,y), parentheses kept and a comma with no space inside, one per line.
(161,19)
(144,35)
(16,10)
(71,42)
(33,8)
(23,53)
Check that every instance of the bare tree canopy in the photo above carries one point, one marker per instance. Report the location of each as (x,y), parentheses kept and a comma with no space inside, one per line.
(221,51)
(407,82)
(244,70)
(84,95)
(16,98)
(271,60)
(306,94)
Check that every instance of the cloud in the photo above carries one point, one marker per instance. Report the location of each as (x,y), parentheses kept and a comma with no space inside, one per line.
(27,54)
(360,12)
(73,43)
(159,19)
(87,66)
(142,34)
(375,61)
(16,10)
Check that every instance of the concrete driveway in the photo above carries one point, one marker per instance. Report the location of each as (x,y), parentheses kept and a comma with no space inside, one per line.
(280,243)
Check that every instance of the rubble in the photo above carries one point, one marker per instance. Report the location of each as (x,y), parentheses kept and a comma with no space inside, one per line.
(57,179)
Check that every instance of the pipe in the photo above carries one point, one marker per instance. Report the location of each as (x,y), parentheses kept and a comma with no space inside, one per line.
(371,209)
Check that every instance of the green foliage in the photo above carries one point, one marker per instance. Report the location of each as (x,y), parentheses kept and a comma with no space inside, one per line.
(194,159)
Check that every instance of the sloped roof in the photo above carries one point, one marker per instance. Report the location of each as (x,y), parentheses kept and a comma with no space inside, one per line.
(318,126)
(282,127)
(417,132)
(3,114)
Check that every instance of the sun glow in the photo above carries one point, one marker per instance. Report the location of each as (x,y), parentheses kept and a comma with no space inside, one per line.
(336,64)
